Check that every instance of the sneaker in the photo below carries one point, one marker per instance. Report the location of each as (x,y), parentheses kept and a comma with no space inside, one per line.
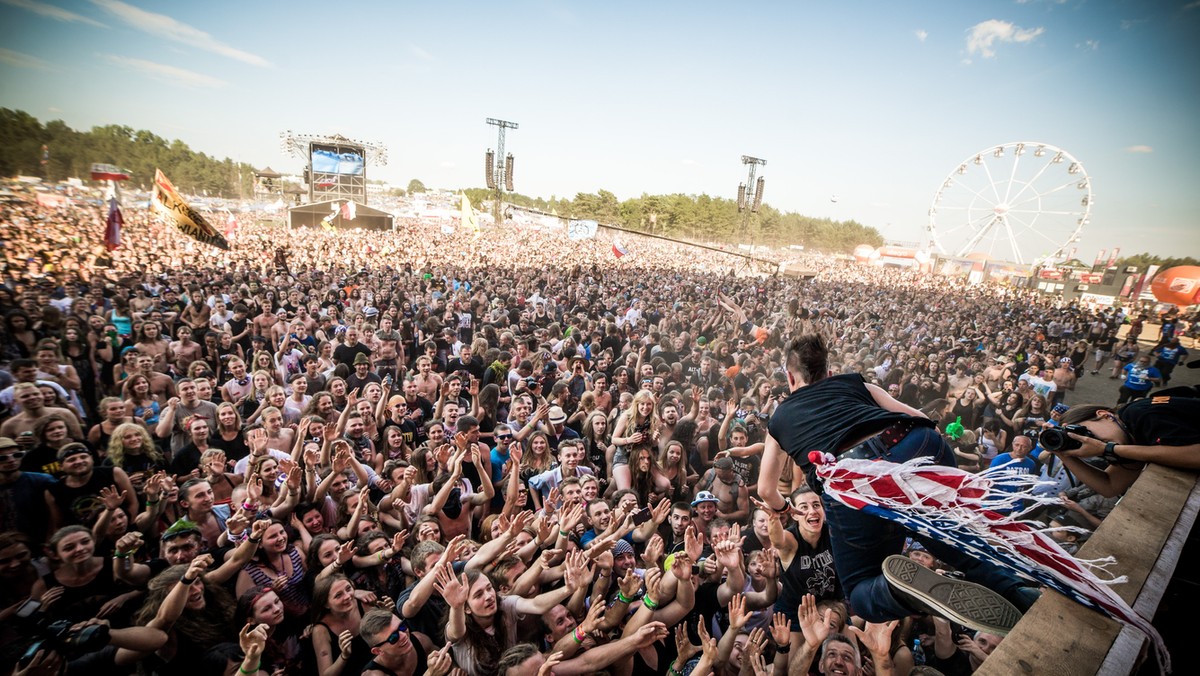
(1095,372)
(965,603)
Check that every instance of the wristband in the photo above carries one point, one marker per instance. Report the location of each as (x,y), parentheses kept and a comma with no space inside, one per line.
(648,603)
(1110,452)
(575,635)
(255,541)
(150,503)
(251,672)
(187,583)
(120,555)
(672,671)
(621,597)
(783,510)
(783,649)
(249,506)
(564,533)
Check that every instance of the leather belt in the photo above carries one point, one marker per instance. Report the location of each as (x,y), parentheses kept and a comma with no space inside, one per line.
(877,446)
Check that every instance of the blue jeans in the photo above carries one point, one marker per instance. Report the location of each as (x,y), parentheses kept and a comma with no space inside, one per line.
(861,542)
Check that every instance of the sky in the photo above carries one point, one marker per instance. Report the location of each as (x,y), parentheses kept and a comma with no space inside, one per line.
(861,108)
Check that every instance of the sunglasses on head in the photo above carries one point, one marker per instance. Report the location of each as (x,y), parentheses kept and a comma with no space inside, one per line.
(394,637)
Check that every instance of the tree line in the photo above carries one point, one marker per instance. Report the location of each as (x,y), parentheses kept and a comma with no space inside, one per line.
(700,218)
(71,153)
(1145,260)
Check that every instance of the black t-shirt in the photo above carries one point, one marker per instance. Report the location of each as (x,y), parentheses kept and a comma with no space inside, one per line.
(81,505)
(1167,421)
(827,416)
(345,354)
(811,572)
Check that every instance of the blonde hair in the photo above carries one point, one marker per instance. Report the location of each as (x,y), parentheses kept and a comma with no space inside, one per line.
(116,444)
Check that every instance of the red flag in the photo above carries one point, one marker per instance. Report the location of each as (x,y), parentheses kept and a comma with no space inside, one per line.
(112,228)
(619,249)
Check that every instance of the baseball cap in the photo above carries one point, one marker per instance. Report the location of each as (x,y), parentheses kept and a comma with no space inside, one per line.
(704,496)
(724,462)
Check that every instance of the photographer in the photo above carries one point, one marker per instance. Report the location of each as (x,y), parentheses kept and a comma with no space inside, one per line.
(87,648)
(1160,429)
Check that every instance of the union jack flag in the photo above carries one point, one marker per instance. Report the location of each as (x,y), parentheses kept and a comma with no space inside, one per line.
(960,509)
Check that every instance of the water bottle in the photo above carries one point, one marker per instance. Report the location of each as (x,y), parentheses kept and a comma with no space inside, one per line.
(918,652)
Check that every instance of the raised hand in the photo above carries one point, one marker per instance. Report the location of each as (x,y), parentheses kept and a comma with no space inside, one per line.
(111,498)
(654,550)
(649,633)
(684,648)
(439,662)
(630,584)
(547,668)
(738,616)
(814,627)
(453,590)
(781,629)
(682,567)
(876,638)
(693,542)
(345,642)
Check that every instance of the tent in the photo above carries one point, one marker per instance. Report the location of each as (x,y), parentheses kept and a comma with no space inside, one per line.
(310,215)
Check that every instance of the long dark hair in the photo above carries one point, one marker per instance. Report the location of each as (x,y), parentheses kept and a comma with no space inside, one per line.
(485,648)
(203,628)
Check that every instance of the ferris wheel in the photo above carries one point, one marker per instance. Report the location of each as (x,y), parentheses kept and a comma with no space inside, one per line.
(1022,202)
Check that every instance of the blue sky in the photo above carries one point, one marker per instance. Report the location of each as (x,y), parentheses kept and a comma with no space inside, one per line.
(874,102)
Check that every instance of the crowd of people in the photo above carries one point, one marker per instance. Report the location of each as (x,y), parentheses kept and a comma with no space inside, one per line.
(418,452)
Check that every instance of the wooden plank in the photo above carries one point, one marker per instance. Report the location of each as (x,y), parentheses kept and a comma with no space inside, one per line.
(1058,636)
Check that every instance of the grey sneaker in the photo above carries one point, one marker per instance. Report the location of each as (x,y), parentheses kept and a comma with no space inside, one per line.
(959,601)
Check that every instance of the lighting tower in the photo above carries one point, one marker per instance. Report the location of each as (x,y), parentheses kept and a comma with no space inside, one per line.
(750,193)
(499,167)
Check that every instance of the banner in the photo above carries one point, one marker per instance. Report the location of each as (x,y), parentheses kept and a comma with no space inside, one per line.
(1099,258)
(115,220)
(189,221)
(1144,283)
(469,220)
(582,229)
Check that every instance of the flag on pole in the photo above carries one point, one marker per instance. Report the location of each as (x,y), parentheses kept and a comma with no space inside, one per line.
(114,222)
(619,249)
(108,172)
(469,220)
(349,210)
(168,203)
(959,509)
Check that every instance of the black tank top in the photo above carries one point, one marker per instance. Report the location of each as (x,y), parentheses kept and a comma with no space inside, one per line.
(828,416)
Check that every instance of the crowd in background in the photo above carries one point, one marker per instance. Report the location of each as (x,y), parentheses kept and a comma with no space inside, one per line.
(414,451)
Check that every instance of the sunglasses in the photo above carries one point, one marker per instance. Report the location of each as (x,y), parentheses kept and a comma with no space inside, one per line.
(394,637)
(15,455)
(503,437)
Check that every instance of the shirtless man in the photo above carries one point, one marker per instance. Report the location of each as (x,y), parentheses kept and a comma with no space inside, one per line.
(263,323)
(161,384)
(279,438)
(153,344)
(197,312)
(387,350)
(1064,378)
(428,383)
(33,407)
(733,499)
(185,349)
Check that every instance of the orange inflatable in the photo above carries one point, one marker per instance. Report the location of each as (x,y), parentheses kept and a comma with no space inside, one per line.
(1179,285)
(863,252)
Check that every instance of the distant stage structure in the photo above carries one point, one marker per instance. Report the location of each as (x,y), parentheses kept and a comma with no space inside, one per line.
(336,173)
(1024,202)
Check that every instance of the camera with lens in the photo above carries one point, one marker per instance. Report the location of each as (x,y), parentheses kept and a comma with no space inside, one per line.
(1055,439)
(60,637)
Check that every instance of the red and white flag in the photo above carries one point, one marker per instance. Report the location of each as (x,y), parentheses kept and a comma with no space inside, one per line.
(619,249)
(960,509)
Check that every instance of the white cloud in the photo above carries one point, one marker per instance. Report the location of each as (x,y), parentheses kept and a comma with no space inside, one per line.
(1130,24)
(163,26)
(921,34)
(1191,5)
(1139,149)
(20,60)
(52,12)
(161,71)
(983,36)
(54,109)
(420,53)
(1088,45)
